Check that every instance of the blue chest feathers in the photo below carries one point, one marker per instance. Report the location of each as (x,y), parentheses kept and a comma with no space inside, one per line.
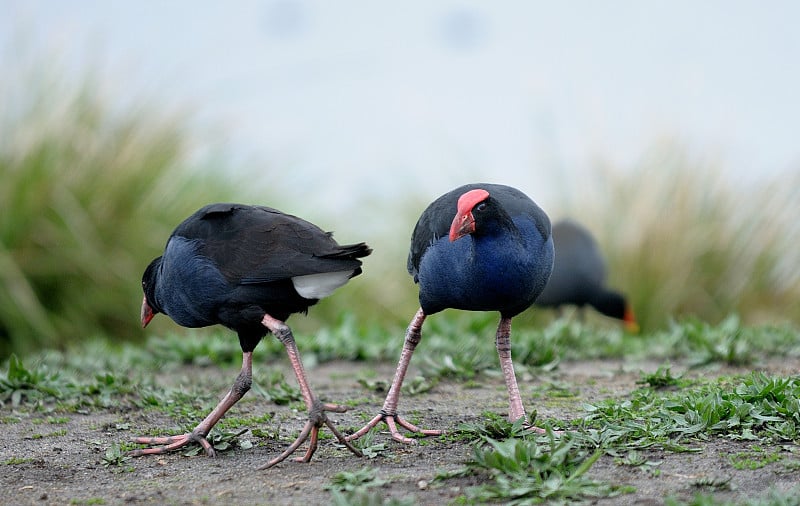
(190,288)
(502,272)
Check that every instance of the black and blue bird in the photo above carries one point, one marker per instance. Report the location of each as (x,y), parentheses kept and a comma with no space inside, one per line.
(247,268)
(479,247)
(579,276)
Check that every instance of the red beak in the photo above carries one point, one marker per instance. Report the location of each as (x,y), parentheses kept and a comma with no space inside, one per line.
(147,312)
(463,224)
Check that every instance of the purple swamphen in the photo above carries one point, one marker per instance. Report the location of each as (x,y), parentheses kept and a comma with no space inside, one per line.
(480,247)
(247,268)
(579,276)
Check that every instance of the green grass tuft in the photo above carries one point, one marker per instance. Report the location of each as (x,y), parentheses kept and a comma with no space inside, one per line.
(527,471)
(92,188)
(684,238)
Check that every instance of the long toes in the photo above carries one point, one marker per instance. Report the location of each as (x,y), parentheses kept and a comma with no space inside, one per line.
(312,446)
(162,440)
(392,421)
(158,450)
(365,429)
(167,443)
(317,419)
(297,442)
(335,408)
(170,443)
(342,439)
(402,439)
(413,428)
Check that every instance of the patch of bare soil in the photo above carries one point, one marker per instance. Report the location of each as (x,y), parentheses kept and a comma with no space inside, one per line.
(57,463)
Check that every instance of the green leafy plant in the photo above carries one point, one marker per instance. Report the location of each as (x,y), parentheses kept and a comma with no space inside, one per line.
(92,187)
(115,456)
(755,458)
(493,426)
(349,481)
(752,407)
(21,384)
(694,241)
(661,378)
(636,459)
(368,498)
(15,461)
(527,471)
(222,441)
(278,390)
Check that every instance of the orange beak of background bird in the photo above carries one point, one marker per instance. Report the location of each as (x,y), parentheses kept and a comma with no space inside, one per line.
(147,312)
(630,321)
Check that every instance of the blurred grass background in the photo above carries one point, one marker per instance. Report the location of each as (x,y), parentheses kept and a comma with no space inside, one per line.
(93,182)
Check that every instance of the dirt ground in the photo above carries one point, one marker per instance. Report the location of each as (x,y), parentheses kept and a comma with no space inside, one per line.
(65,465)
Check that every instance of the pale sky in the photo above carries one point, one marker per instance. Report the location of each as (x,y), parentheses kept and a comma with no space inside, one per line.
(363,97)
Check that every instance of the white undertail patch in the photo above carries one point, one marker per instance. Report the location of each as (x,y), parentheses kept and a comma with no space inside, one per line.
(317,286)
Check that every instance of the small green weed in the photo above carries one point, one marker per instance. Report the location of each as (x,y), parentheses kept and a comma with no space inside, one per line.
(412,386)
(368,498)
(460,366)
(636,459)
(213,348)
(115,456)
(368,446)
(221,441)
(56,420)
(494,426)
(662,378)
(419,385)
(374,385)
(524,471)
(755,458)
(713,482)
(234,422)
(278,390)
(724,343)
(15,461)
(269,433)
(105,391)
(88,502)
(350,481)
(20,384)
(752,407)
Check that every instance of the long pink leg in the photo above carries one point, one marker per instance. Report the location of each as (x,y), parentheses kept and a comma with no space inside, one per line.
(503,343)
(389,412)
(198,435)
(316,410)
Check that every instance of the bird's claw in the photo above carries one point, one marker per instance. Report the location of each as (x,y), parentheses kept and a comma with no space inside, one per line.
(316,419)
(170,443)
(392,421)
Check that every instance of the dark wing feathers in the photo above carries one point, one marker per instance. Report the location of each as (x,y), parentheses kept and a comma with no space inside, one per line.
(580,251)
(257,244)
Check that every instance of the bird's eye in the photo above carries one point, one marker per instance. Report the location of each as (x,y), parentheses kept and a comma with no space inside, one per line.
(480,207)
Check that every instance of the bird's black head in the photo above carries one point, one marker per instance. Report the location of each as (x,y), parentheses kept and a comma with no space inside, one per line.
(475,210)
(149,305)
(616,305)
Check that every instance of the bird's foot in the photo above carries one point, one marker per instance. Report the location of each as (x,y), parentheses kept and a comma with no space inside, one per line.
(170,443)
(392,421)
(316,419)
